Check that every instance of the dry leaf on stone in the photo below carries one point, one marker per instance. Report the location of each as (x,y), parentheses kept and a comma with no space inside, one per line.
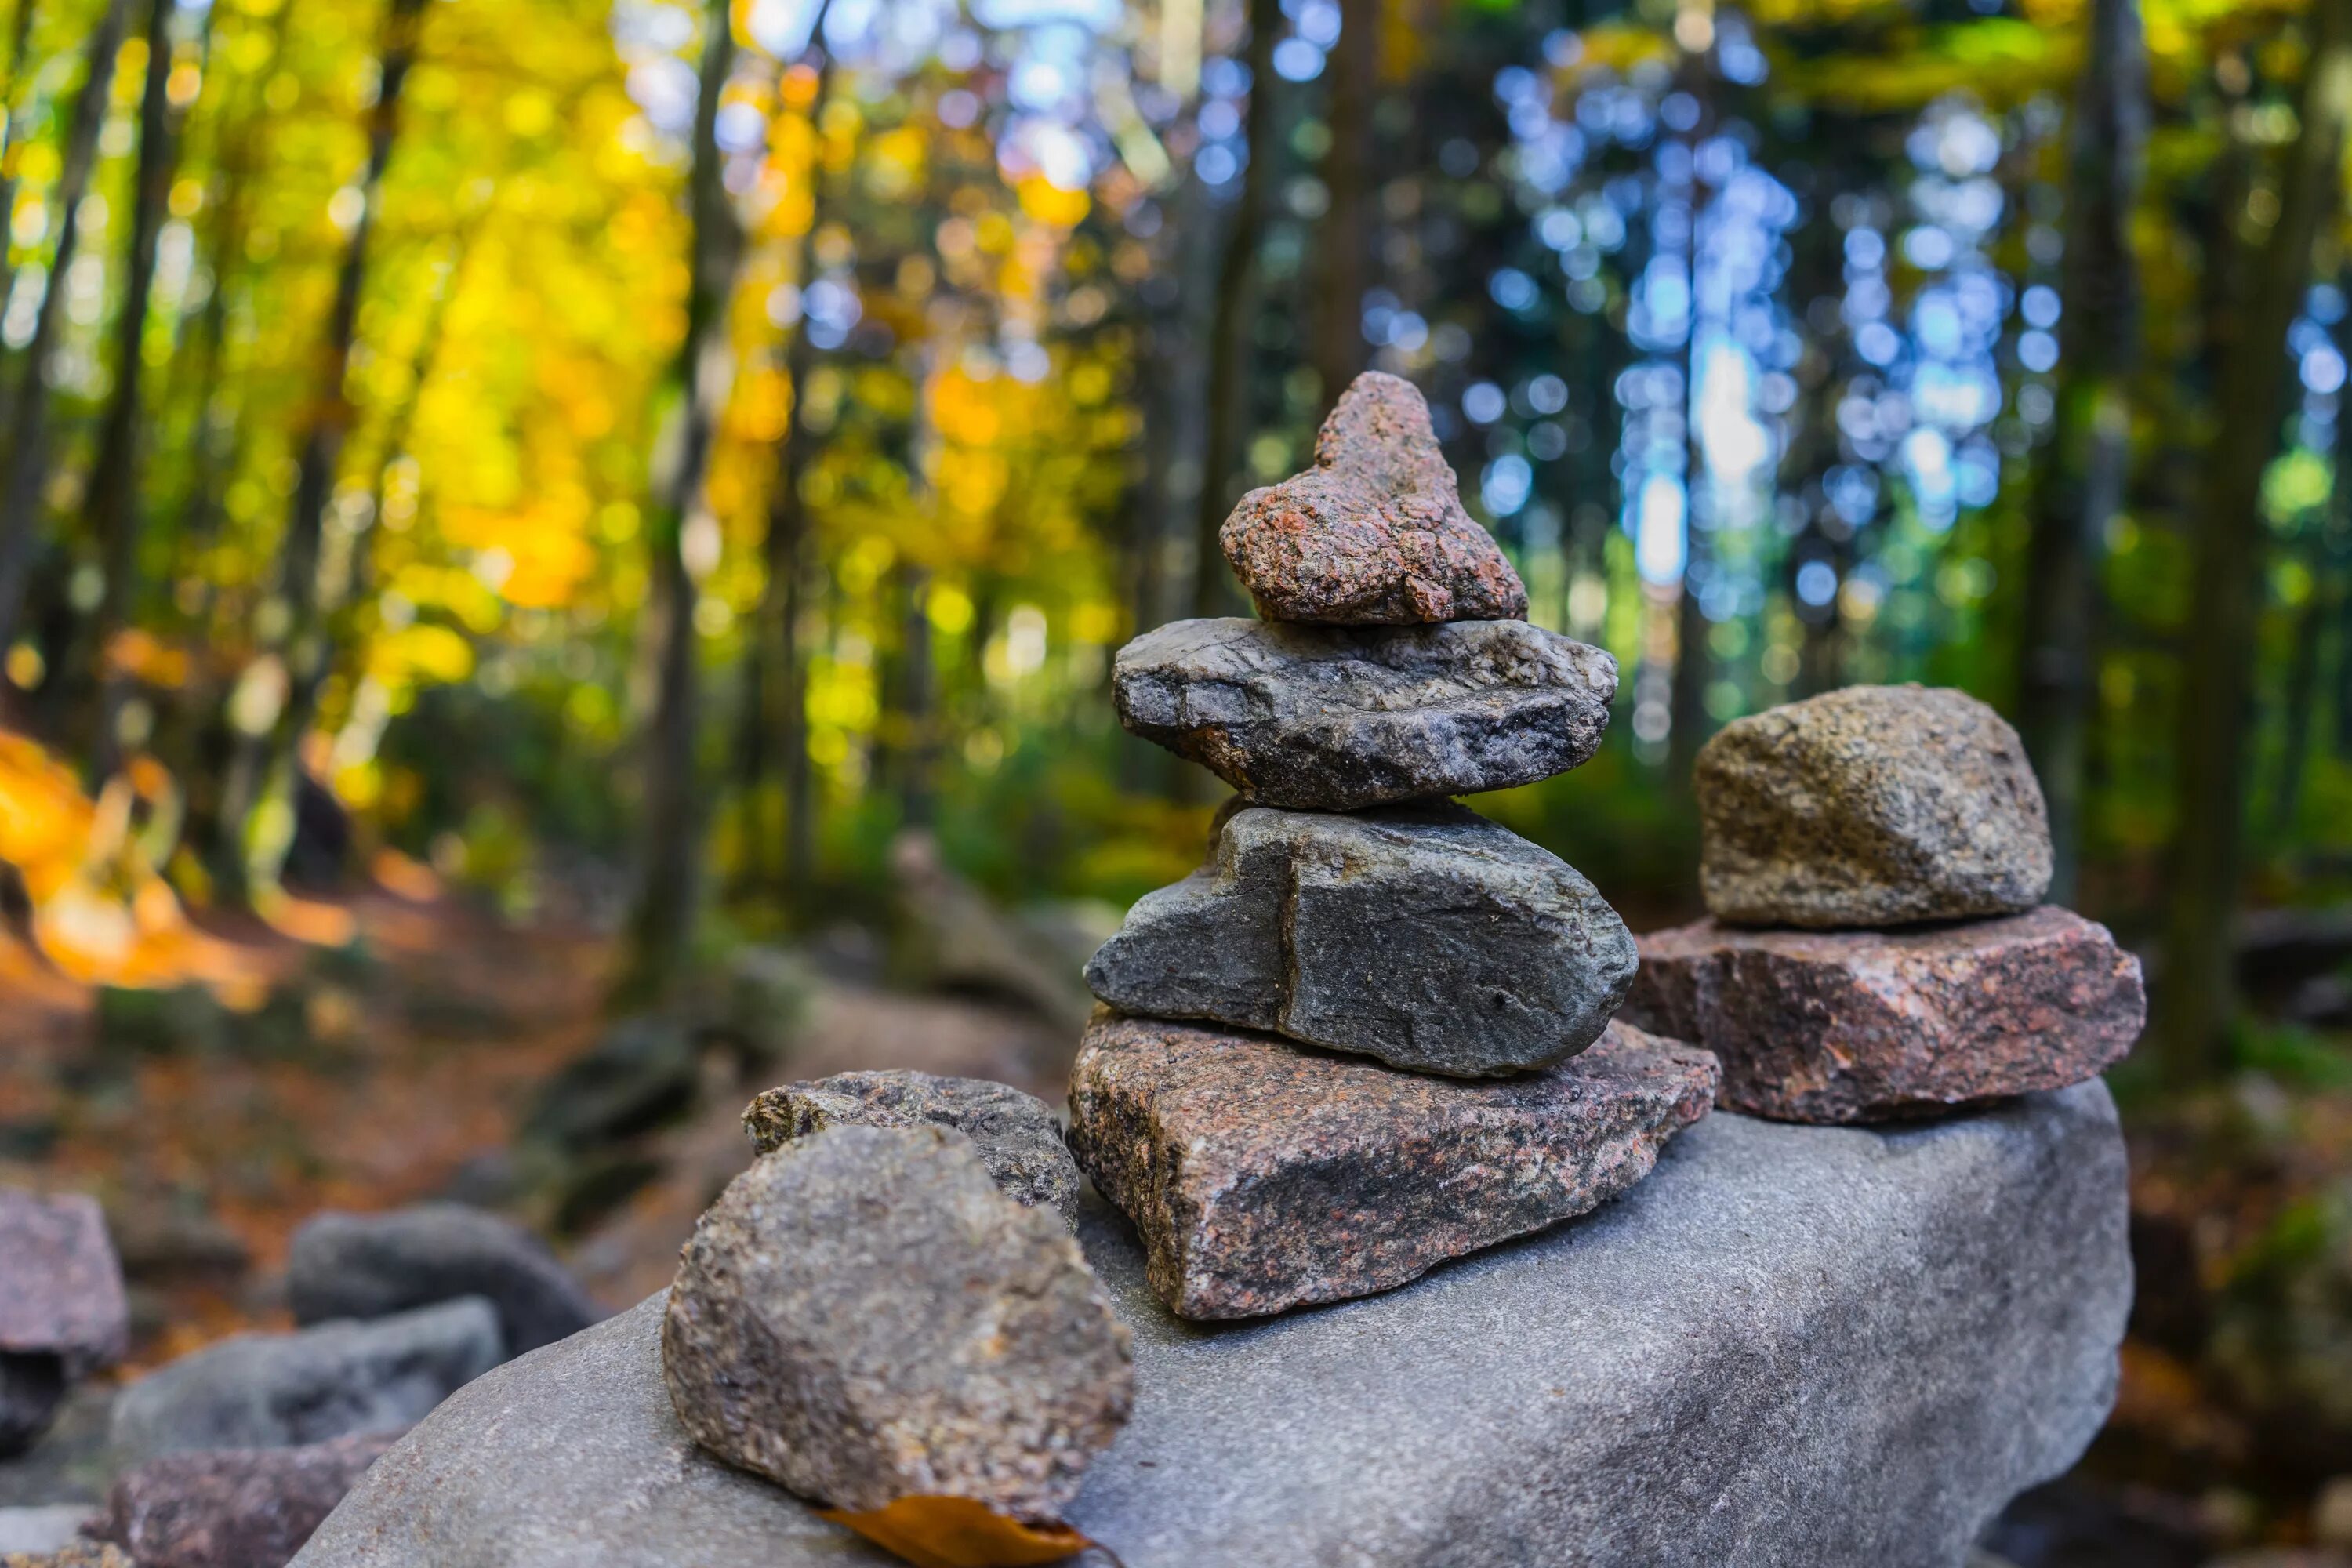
(957,1532)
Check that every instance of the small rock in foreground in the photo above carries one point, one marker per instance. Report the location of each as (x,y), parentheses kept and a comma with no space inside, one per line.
(1428,937)
(1336,718)
(863,1316)
(1261,1176)
(62,1309)
(279,1391)
(1017,1137)
(1374,533)
(233,1508)
(373,1265)
(1874,806)
(77,1554)
(1833,1026)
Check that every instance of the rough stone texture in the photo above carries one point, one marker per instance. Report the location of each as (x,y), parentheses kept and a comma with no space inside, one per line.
(1840,1347)
(1262,1176)
(1871,807)
(233,1508)
(1338,718)
(1374,533)
(1017,1137)
(863,1316)
(1428,937)
(62,1309)
(372,1265)
(1835,1026)
(49,1528)
(279,1391)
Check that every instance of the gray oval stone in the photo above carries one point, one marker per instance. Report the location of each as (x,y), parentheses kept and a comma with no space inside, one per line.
(1338,718)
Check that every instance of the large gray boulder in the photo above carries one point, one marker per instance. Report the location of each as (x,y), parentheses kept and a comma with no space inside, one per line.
(1840,1347)
(1428,937)
(279,1391)
(1338,718)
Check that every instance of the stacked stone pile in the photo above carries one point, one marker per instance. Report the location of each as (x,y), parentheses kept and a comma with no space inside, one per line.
(1874,862)
(1348,906)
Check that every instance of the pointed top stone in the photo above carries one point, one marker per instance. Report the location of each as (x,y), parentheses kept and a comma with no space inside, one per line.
(1374,533)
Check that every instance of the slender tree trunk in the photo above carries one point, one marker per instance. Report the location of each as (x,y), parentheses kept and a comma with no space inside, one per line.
(267,757)
(19,105)
(27,472)
(2080,487)
(774,721)
(661,921)
(1348,172)
(114,496)
(2199,998)
(1232,332)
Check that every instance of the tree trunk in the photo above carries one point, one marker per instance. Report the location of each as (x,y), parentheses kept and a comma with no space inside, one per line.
(1233,331)
(1348,174)
(2080,487)
(265,758)
(661,920)
(114,498)
(775,679)
(2198,997)
(26,471)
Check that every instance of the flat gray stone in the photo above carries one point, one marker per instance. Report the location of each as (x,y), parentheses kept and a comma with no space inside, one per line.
(1839,1347)
(1873,806)
(1428,937)
(279,1391)
(373,1265)
(1340,717)
(1017,1137)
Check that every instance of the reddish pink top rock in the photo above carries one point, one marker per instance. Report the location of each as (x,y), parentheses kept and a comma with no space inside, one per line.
(1374,533)
(1837,1027)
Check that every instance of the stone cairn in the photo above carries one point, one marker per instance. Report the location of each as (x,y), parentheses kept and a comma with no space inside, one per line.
(1374,1031)
(1874,862)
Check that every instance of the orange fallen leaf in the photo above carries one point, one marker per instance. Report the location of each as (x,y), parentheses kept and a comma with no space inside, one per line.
(957,1532)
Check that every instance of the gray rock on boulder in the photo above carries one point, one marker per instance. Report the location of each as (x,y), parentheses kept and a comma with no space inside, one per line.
(233,1508)
(1017,1137)
(42,1530)
(63,1313)
(1840,1347)
(373,1265)
(1263,1175)
(1338,718)
(1875,805)
(277,1391)
(1427,937)
(863,1316)
(1865,1025)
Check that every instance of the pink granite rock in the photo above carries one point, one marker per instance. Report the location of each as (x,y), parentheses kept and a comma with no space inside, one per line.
(62,1311)
(1374,533)
(233,1508)
(1263,1174)
(1837,1027)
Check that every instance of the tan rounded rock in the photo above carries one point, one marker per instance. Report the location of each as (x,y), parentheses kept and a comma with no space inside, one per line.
(864,1316)
(1875,805)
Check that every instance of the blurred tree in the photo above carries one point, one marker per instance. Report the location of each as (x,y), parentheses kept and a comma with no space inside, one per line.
(2274,259)
(2079,483)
